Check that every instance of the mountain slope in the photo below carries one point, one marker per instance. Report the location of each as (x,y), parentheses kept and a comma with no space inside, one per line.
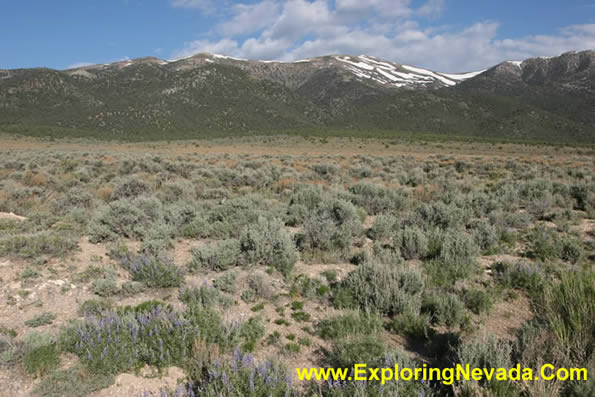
(148,98)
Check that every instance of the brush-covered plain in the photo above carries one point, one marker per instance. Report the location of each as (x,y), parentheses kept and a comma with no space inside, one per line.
(232,269)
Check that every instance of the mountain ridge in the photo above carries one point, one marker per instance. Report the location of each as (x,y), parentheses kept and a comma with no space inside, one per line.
(545,99)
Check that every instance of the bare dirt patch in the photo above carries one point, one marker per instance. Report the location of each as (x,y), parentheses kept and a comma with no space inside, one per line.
(11,216)
(135,385)
(506,318)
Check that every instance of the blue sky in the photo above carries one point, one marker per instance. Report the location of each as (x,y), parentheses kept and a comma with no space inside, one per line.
(445,35)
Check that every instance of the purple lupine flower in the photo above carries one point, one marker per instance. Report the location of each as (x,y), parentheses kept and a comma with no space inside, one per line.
(226,381)
(247,360)
(252,381)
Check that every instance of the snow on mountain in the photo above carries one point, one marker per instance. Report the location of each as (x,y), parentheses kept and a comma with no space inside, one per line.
(397,75)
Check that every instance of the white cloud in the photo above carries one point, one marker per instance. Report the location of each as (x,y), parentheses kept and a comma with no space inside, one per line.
(250,18)
(389,29)
(225,46)
(203,5)
(432,8)
(78,65)
(386,8)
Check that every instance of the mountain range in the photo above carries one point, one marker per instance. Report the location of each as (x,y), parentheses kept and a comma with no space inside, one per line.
(538,99)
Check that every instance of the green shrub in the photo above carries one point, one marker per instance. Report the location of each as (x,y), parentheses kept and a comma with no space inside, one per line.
(219,256)
(440,215)
(157,240)
(485,235)
(488,352)
(11,350)
(305,199)
(348,324)
(568,308)
(30,273)
(330,228)
(41,319)
(544,244)
(377,199)
(95,307)
(154,272)
(33,246)
(364,349)
(121,218)
(478,301)
(130,187)
(444,309)
(229,219)
(412,243)
(266,244)
(41,353)
(243,377)
(410,325)
(131,338)
(383,227)
(105,287)
(300,316)
(382,289)
(226,282)
(204,296)
(291,348)
(372,388)
(571,250)
(261,287)
(458,248)
(72,382)
(130,288)
(526,276)
(251,331)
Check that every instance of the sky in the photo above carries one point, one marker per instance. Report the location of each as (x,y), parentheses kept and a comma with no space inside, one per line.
(443,35)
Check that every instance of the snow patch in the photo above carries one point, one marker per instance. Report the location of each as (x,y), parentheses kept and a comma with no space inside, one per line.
(430,73)
(357,64)
(462,76)
(227,57)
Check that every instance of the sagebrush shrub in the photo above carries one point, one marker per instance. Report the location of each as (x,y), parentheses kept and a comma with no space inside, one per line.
(219,256)
(568,307)
(412,242)
(443,308)
(383,289)
(331,227)
(130,187)
(204,296)
(121,218)
(366,349)
(226,282)
(41,353)
(265,243)
(154,272)
(377,199)
(383,227)
(349,323)
(41,319)
(522,275)
(488,352)
(485,235)
(30,246)
(304,200)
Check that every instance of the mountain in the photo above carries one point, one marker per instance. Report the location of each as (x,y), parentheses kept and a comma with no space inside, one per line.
(540,99)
